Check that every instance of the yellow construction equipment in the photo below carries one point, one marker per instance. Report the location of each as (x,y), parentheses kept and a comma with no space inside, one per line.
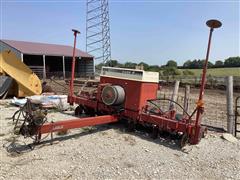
(27,83)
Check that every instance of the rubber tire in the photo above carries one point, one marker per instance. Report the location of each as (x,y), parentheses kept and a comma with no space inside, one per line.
(183,140)
(78,111)
(155,132)
(130,126)
(89,111)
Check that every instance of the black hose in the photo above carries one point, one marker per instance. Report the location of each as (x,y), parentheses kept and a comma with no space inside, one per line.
(165,99)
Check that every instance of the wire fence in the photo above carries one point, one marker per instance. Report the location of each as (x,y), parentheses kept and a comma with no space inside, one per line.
(215,114)
(213,82)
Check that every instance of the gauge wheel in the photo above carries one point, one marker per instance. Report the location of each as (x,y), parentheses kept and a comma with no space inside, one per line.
(184,140)
(203,131)
(155,132)
(130,126)
(78,111)
(89,111)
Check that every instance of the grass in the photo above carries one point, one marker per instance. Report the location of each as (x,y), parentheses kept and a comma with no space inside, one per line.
(217,71)
(214,76)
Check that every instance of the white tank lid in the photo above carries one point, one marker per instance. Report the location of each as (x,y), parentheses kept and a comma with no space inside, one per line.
(130,74)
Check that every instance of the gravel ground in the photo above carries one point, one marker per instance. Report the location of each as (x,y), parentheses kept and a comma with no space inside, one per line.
(108,152)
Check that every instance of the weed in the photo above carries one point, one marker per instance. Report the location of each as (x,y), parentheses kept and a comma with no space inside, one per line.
(130,140)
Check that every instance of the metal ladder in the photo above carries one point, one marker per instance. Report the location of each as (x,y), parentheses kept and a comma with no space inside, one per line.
(237,116)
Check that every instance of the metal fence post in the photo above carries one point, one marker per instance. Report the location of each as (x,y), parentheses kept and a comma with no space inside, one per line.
(230,112)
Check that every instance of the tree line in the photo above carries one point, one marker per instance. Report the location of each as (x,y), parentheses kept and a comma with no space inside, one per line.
(171,68)
(198,64)
(189,64)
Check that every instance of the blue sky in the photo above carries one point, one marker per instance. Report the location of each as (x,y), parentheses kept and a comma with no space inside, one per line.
(150,31)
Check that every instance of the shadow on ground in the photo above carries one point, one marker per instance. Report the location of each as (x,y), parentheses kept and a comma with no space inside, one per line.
(17,148)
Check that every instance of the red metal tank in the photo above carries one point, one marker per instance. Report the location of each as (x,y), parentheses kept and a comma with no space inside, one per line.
(139,85)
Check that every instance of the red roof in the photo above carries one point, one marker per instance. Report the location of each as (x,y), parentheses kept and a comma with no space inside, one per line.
(44,49)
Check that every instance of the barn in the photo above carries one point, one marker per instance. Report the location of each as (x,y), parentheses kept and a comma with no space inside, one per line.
(48,60)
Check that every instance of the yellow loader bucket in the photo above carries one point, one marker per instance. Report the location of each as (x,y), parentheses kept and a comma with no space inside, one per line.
(28,82)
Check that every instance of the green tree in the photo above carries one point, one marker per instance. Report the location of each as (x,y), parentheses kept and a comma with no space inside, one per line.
(112,63)
(99,66)
(219,63)
(202,62)
(196,64)
(155,68)
(232,62)
(187,64)
(145,65)
(130,65)
(171,63)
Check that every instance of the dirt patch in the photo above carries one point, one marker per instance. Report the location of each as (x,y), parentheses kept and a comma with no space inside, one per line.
(215,109)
